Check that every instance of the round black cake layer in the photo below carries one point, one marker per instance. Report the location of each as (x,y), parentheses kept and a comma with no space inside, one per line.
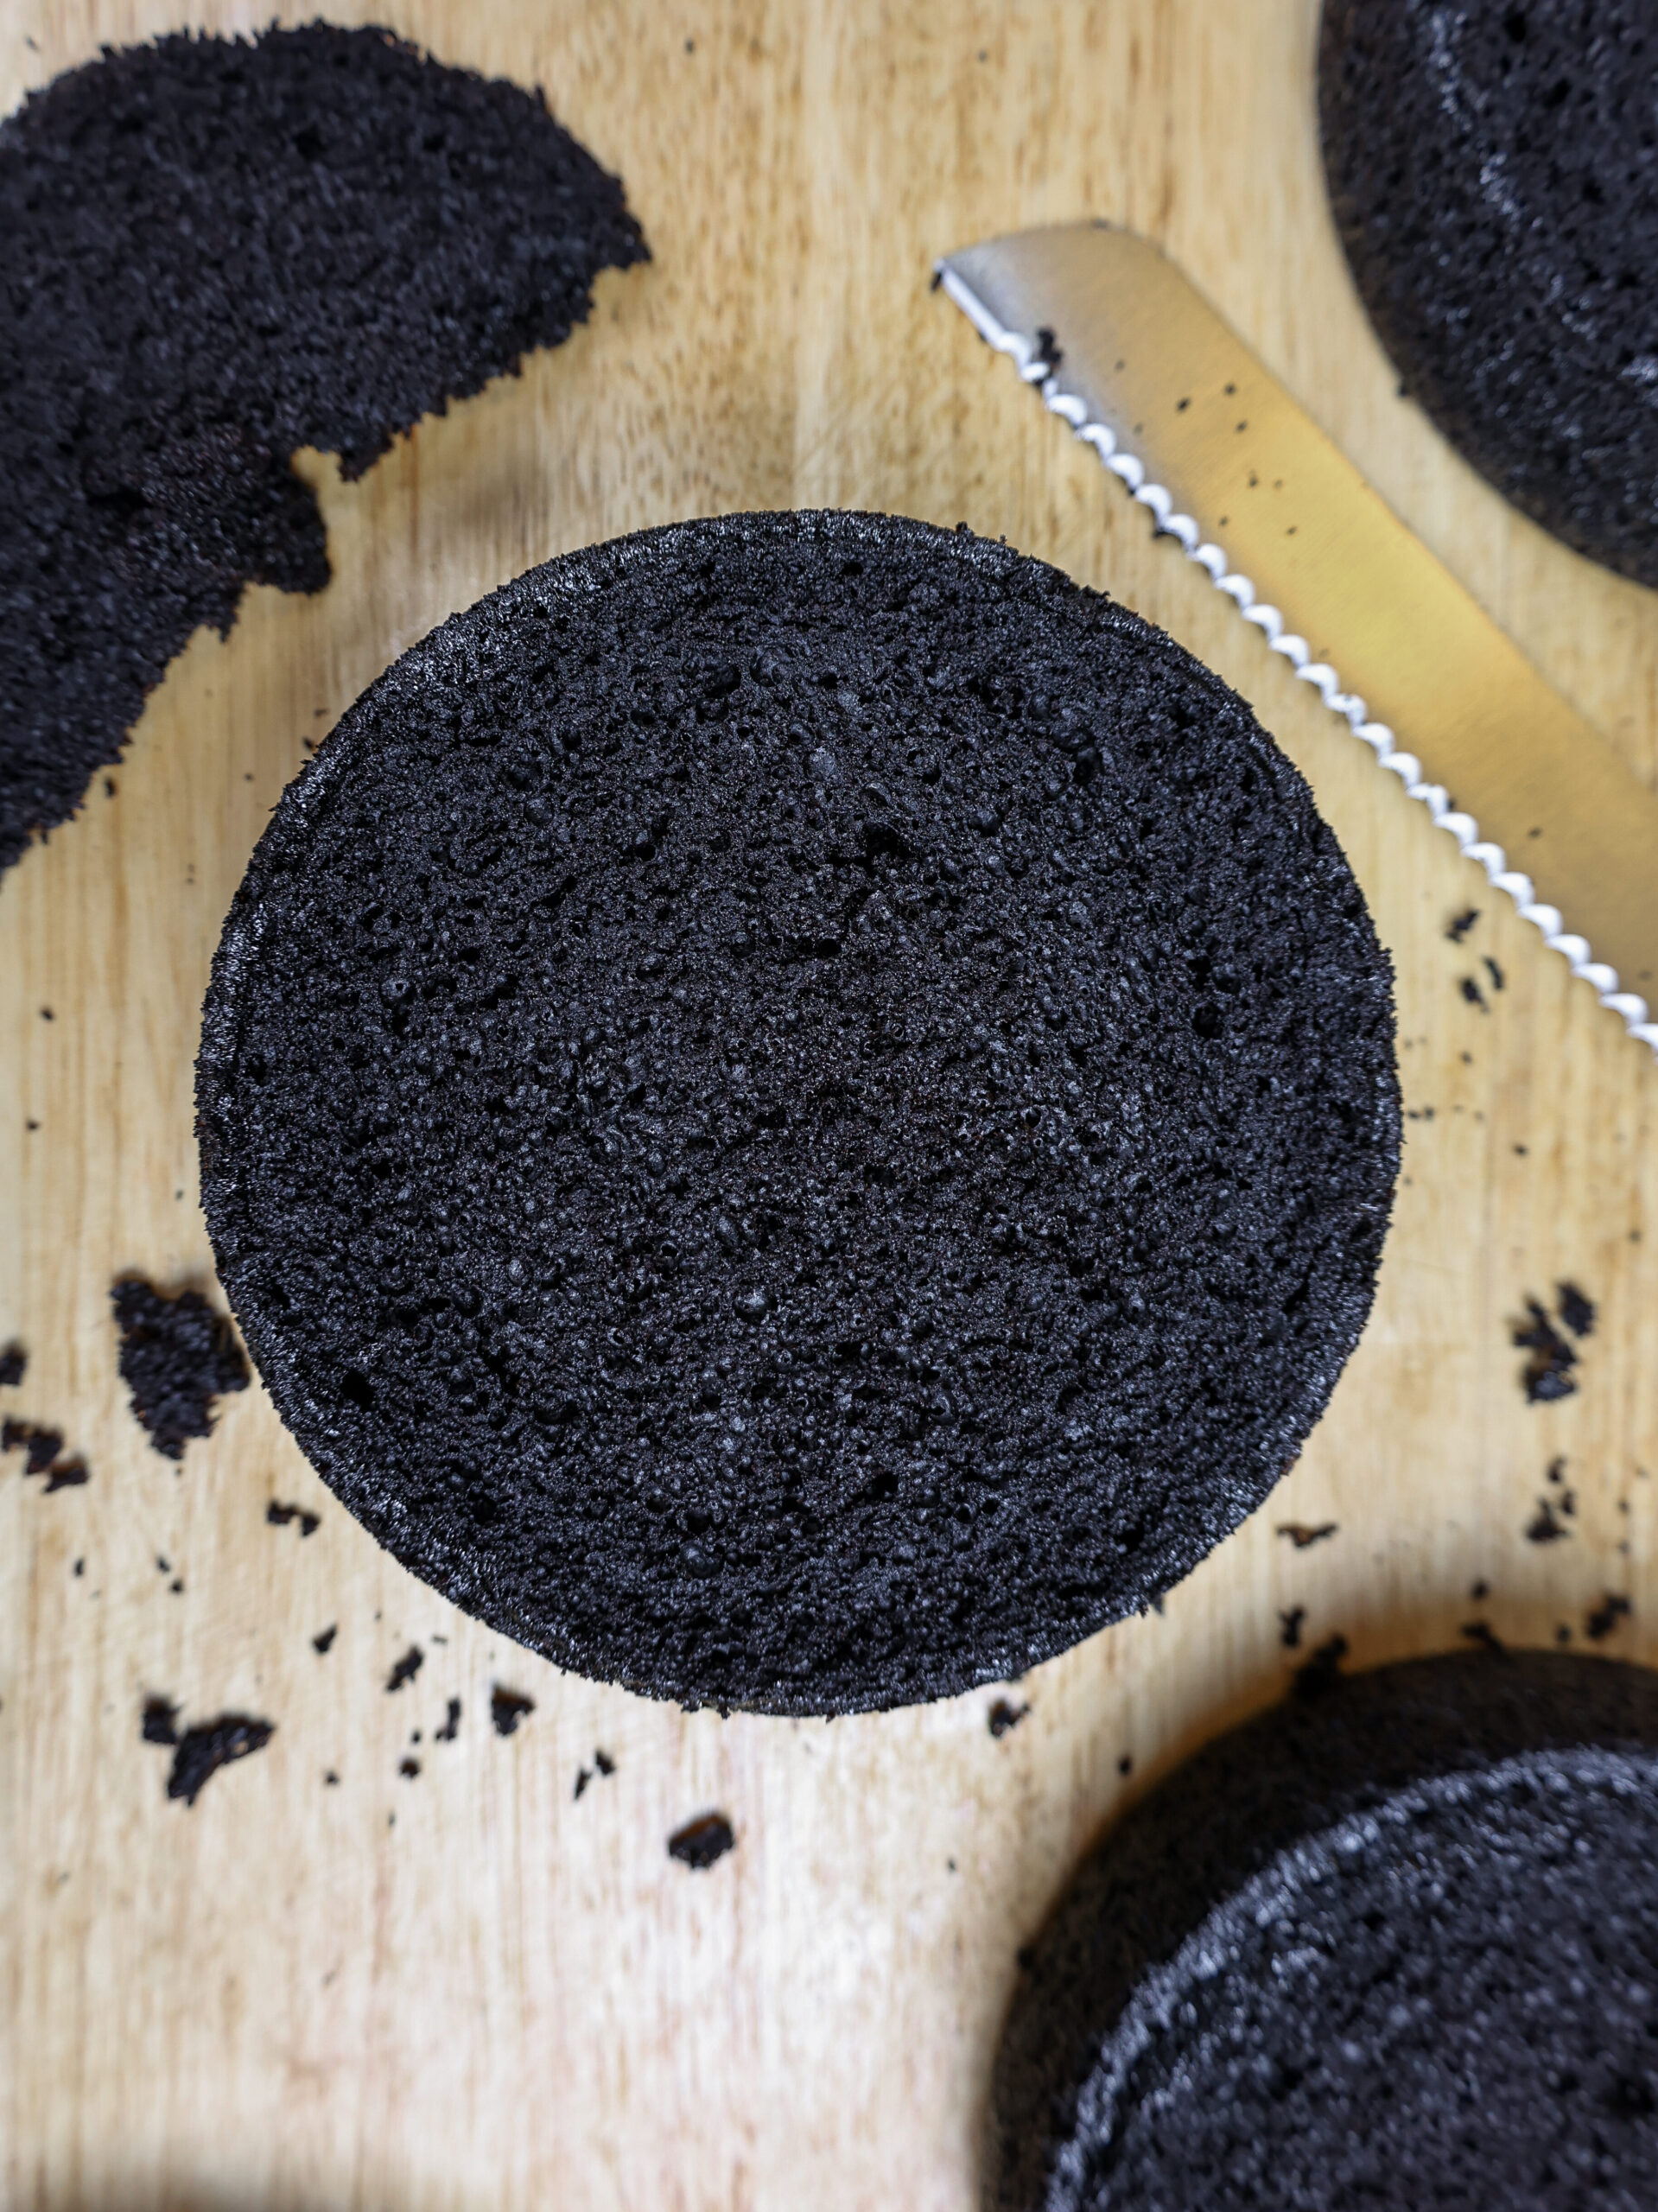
(1494,174)
(799,1112)
(217,252)
(1395,1944)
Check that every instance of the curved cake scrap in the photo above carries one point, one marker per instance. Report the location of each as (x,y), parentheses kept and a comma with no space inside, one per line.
(1395,1944)
(217,252)
(1494,175)
(799,1112)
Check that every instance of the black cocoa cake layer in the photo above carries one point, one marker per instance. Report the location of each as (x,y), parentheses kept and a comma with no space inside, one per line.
(1392,1944)
(799,1112)
(1494,175)
(217,252)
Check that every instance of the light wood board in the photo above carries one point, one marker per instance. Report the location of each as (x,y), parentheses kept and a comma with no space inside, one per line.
(469,1989)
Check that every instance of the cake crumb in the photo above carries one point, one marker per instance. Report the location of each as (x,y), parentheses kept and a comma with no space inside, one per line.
(1301,1533)
(507,1708)
(177,1358)
(700,1841)
(1599,1624)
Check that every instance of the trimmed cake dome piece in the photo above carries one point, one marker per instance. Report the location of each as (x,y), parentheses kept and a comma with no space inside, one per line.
(798,1112)
(218,251)
(1494,175)
(1394,1943)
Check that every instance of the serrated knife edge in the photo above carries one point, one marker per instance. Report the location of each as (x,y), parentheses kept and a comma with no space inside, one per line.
(970,280)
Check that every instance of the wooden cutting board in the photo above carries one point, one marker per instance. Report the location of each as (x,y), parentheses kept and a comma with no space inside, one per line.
(469,1987)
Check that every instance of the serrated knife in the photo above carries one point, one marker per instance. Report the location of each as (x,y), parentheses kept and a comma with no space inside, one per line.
(1124,348)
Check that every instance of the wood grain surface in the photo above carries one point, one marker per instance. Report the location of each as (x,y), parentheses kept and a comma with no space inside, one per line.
(470,1988)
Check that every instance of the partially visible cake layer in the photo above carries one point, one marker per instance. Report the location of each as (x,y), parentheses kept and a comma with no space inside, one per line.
(217,252)
(1396,1945)
(799,1112)
(1494,175)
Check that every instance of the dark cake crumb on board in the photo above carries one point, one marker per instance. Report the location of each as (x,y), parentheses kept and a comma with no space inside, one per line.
(1493,174)
(406,1669)
(1392,1948)
(1005,1714)
(1547,1374)
(507,1708)
(200,1750)
(43,1454)
(891,1090)
(177,1356)
(702,1842)
(14,1363)
(225,192)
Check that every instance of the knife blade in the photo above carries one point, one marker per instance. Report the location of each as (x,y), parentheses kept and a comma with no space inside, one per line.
(1124,349)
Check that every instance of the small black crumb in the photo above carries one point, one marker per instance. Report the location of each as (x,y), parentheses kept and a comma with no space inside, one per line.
(406,1669)
(1605,1617)
(507,1708)
(163,1564)
(39,1445)
(41,1448)
(1577,1311)
(109,786)
(325,1641)
(13,1361)
(80,1567)
(1004,1715)
(1546,1375)
(202,1750)
(1481,1632)
(160,1723)
(415,1736)
(1557,1468)
(1289,1627)
(703,1840)
(1522,1152)
(279,1515)
(176,1585)
(1300,1534)
(1323,1671)
(47,1014)
(331,1780)
(603,1765)
(410,1768)
(1479,1591)
(1473,993)
(1457,930)
(1543,1528)
(451,1727)
(177,1357)
(1025,1957)
(1125,1763)
(1498,981)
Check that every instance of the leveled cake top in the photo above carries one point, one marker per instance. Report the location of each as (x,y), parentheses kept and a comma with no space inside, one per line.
(799,1111)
